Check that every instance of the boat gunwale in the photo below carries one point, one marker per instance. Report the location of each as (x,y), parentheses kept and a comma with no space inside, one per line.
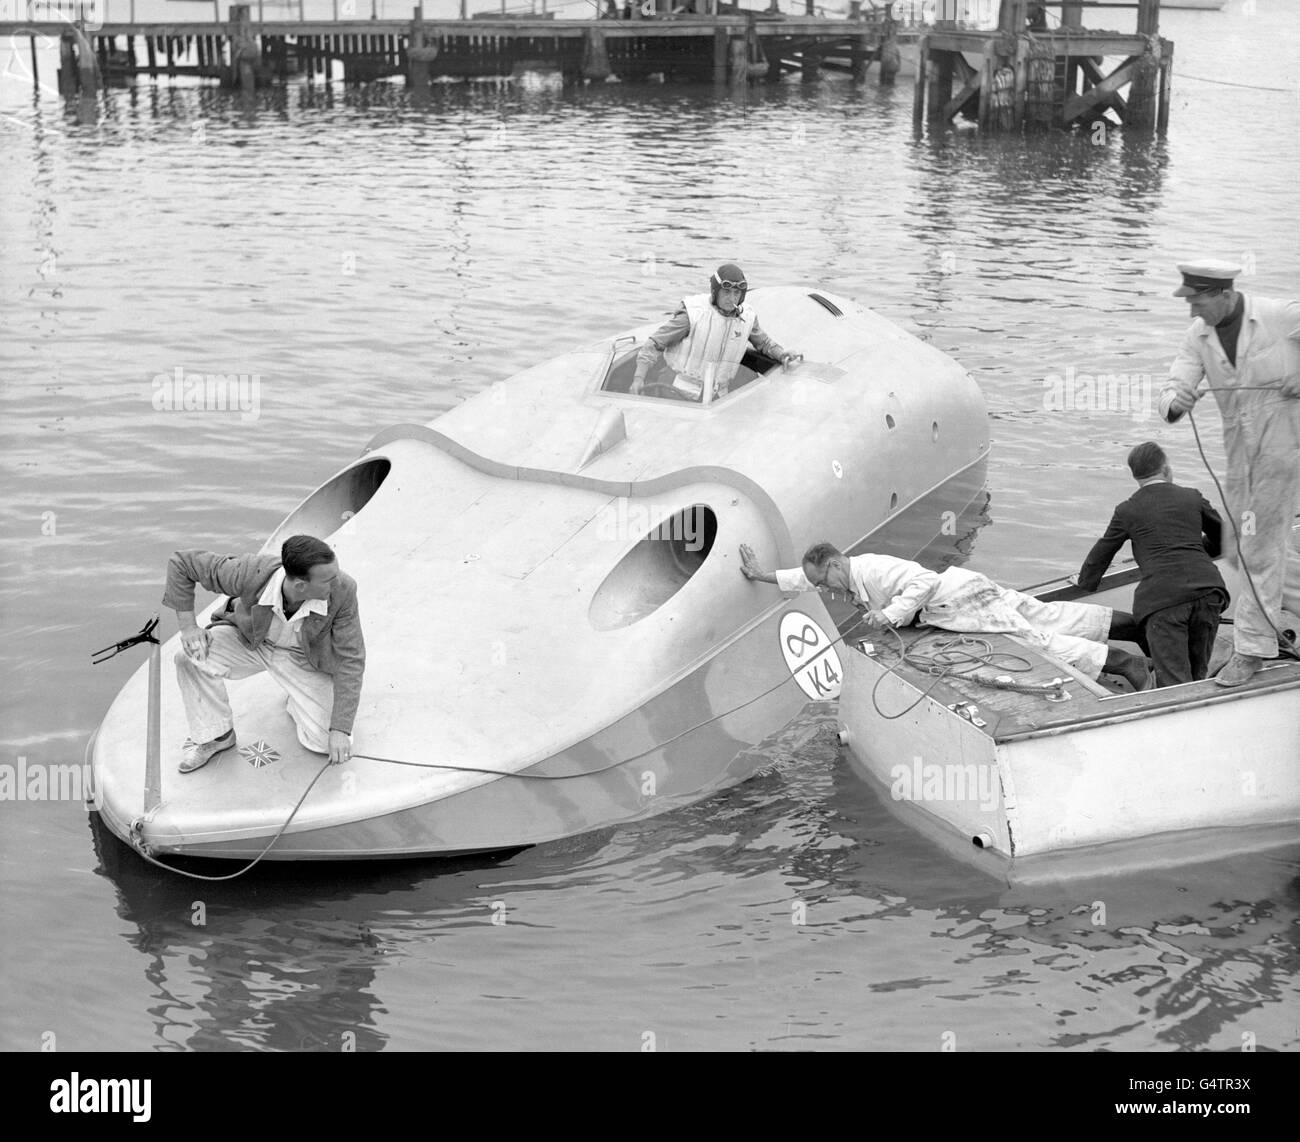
(1215,697)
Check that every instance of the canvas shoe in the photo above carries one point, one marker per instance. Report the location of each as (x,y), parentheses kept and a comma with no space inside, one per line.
(197,756)
(1238,669)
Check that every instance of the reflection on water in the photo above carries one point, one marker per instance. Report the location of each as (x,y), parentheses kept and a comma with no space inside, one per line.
(805,912)
(374,259)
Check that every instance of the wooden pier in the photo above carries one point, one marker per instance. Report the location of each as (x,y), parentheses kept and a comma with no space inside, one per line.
(1027,73)
(1022,73)
(729,47)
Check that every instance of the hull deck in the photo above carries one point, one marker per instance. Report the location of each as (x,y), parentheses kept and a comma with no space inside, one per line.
(1012,715)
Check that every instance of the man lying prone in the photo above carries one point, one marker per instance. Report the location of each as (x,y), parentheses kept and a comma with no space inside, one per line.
(891,592)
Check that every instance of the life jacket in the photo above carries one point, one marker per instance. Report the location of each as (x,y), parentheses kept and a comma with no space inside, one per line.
(712,350)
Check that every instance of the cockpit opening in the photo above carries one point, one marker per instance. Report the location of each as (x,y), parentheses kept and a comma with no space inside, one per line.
(662,382)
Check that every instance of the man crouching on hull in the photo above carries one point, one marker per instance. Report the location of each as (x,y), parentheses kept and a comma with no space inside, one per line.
(293,615)
(892,592)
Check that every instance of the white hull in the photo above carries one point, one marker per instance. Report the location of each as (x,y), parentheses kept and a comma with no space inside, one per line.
(529,612)
(1100,771)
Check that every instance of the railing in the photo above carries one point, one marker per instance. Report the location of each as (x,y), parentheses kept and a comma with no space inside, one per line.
(96,13)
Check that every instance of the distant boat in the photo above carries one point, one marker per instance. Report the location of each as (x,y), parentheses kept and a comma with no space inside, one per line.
(1029,776)
(549,586)
(1196,5)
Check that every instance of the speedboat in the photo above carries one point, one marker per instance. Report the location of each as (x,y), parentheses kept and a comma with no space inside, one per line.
(1034,771)
(559,637)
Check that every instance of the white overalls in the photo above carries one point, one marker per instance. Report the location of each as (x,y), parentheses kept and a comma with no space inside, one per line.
(1261,434)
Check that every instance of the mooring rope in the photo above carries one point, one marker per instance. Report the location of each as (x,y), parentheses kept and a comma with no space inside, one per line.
(1232,83)
(1236,537)
(138,842)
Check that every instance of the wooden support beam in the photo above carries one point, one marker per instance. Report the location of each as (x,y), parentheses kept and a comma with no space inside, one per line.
(1092,73)
(972,86)
(860,56)
(739,61)
(419,54)
(1013,16)
(1142,96)
(67,65)
(1166,75)
(1098,96)
(987,67)
(922,81)
(810,61)
(244,55)
(88,68)
(1148,21)
(595,60)
(1021,66)
(940,84)
(891,60)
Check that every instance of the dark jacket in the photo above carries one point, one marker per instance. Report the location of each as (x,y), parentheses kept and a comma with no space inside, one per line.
(331,642)
(1175,535)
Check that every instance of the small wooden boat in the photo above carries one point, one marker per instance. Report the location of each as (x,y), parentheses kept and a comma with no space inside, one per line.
(558,635)
(1046,762)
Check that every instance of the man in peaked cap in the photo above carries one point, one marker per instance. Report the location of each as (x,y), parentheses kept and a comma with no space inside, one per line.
(1246,350)
(706,338)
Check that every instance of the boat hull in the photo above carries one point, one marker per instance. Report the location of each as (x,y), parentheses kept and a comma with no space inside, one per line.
(549,584)
(1120,770)
(709,723)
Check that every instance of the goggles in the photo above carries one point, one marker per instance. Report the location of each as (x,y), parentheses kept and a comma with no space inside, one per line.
(724,284)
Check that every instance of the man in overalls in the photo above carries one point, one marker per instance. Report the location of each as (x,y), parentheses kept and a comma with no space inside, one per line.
(706,338)
(1248,350)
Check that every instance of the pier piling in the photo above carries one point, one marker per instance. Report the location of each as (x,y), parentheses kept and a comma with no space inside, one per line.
(88,69)
(419,53)
(244,54)
(1028,74)
(739,61)
(720,51)
(595,55)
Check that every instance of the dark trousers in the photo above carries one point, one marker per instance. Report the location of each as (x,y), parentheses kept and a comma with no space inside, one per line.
(1182,638)
(1124,629)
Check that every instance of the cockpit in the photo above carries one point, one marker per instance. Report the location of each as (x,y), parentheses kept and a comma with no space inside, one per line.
(663,382)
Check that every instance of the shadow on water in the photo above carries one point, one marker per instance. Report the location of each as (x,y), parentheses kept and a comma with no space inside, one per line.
(291,955)
(284,957)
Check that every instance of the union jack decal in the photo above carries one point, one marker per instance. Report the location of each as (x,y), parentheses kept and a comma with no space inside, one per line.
(259,754)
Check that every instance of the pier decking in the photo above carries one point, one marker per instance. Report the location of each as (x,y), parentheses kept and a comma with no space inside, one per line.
(243,51)
(1022,73)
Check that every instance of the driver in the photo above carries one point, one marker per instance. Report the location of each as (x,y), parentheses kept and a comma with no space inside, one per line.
(706,339)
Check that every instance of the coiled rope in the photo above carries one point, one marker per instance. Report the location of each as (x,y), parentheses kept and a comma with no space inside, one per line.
(955,656)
